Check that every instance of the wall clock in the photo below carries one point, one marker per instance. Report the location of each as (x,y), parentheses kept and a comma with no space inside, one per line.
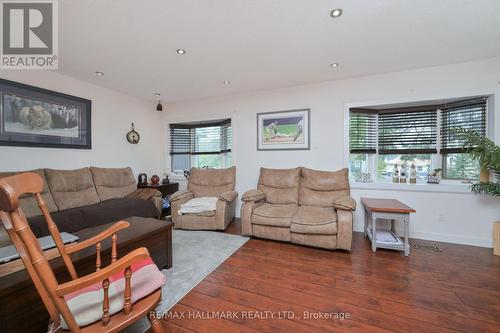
(132,136)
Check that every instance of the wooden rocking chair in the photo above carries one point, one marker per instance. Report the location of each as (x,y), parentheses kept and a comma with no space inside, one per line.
(52,293)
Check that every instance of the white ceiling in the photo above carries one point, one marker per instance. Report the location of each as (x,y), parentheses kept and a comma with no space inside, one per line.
(264,44)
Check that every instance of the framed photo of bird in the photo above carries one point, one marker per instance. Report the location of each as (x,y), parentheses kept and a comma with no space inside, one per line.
(284,130)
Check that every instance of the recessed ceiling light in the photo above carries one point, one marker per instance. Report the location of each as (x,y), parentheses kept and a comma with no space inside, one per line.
(227,82)
(99,73)
(181,51)
(157,94)
(337,12)
(334,65)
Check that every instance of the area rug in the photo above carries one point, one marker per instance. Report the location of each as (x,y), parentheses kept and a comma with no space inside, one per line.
(195,255)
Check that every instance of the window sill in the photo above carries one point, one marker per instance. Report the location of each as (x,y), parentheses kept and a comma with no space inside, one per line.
(443,187)
(176,176)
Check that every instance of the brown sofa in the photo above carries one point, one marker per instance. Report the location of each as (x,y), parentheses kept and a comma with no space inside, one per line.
(218,183)
(301,206)
(83,198)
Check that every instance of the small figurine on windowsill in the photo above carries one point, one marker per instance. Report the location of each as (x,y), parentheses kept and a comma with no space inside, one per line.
(413,174)
(395,174)
(403,173)
(364,177)
(434,177)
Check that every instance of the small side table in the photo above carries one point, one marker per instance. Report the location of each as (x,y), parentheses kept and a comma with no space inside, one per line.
(165,189)
(392,210)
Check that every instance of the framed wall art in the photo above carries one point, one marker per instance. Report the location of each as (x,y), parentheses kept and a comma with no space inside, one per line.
(284,130)
(35,117)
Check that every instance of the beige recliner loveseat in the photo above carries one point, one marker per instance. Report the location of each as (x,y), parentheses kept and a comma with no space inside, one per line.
(218,183)
(302,206)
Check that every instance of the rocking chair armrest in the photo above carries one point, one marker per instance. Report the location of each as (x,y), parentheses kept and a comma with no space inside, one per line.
(74,247)
(118,266)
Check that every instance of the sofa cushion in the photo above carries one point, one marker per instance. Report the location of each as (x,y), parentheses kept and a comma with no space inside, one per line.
(211,182)
(274,214)
(329,242)
(199,206)
(314,220)
(72,188)
(86,304)
(206,213)
(113,183)
(271,232)
(321,188)
(281,186)
(28,202)
(75,219)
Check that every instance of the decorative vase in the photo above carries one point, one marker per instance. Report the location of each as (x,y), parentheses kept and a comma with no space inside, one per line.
(484,175)
(142,179)
(403,174)
(155,180)
(413,174)
(395,174)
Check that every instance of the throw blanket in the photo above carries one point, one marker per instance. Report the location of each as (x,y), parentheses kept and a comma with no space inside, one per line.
(143,193)
(199,205)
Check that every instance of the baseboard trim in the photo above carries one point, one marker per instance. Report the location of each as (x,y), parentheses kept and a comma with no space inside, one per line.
(447,238)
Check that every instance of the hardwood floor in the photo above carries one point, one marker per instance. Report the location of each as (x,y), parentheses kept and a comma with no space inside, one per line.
(457,289)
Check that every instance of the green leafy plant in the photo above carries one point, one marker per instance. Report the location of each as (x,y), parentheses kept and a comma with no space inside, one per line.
(487,153)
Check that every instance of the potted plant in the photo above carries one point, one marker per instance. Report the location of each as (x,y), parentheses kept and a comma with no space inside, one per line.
(487,153)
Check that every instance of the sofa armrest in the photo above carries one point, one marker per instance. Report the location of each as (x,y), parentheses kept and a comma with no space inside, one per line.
(253,195)
(228,196)
(179,195)
(246,216)
(345,203)
(344,229)
(144,193)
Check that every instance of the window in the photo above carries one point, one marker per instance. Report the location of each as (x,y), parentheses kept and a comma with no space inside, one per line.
(386,163)
(362,140)
(381,138)
(358,163)
(362,131)
(407,131)
(460,166)
(205,144)
(470,114)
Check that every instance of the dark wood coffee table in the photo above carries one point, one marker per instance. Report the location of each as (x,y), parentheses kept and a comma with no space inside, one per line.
(22,310)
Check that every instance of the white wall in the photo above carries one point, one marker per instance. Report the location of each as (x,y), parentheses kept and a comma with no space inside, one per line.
(112,114)
(461,217)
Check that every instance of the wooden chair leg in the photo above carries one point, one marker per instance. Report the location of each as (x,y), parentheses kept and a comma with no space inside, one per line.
(156,326)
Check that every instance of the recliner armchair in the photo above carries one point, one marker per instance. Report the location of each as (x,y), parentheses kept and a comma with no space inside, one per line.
(302,206)
(218,183)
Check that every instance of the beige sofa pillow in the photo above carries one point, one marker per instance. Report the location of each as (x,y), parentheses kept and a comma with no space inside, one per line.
(113,183)
(322,188)
(28,202)
(72,188)
(211,182)
(281,186)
